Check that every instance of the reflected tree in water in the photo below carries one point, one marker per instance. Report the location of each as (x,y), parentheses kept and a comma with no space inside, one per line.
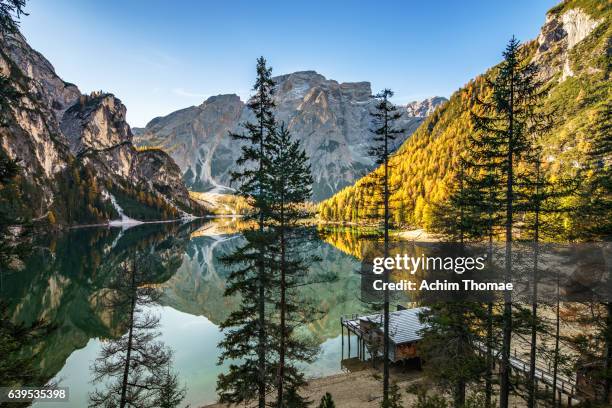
(135,368)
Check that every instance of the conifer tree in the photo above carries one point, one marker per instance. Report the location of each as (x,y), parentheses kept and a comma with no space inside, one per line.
(448,337)
(395,397)
(450,345)
(327,401)
(17,368)
(595,209)
(10,13)
(384,118)
(501,122)
(600,160)
(247,330)
(169,393)
(537,197)
(596,176)
(288,184)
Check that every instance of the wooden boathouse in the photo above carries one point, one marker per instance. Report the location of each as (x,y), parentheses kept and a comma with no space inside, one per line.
(404,333)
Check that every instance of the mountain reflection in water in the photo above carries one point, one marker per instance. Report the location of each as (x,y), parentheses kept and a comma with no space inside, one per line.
(65,276)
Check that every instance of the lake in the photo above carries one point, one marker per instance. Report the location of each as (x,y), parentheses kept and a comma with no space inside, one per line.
(62,279)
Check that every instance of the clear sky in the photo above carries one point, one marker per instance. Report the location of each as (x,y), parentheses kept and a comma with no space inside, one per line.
(160,56)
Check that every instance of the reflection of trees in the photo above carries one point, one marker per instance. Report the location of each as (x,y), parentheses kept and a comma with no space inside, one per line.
(17,368)
(135,368)
(63,281)
(346,239)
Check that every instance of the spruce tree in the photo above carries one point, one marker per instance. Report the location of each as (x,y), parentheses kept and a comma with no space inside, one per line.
(10,245)
(600,160)
(595,212)
(247,330)
(327,401)
(538,197)
(169,393)
(10,13)
(384,118)
(18,367)
(448,336)
(395,397)
(501,122)
(289,184)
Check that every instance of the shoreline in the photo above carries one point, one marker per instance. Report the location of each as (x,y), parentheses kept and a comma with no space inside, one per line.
(357,389)
(131,224)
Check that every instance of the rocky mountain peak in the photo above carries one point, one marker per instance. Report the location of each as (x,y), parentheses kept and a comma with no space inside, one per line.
(221,99)
(559,34)
(299,85)
(330,118)
(54,128)
(95,122)
(424,108)
(57,94)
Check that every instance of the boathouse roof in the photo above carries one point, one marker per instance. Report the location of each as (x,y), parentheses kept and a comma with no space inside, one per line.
(404,325)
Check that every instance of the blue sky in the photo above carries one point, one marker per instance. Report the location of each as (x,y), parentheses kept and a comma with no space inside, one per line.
(160,56)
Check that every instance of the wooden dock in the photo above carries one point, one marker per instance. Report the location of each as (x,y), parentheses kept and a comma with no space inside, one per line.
(369,334)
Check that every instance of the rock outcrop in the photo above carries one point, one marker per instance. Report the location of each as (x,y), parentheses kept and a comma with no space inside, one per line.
(424,108)
(51,126)
(560,33)
(331,120)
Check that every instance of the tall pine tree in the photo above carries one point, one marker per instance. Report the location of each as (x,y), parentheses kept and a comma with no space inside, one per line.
(289,184)
(501,122)
(247,330)
(384,118)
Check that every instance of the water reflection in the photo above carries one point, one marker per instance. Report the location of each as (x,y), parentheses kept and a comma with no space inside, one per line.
(135,369)
(66,276)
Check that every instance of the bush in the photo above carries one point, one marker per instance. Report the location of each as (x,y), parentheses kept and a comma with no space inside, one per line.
(327,401)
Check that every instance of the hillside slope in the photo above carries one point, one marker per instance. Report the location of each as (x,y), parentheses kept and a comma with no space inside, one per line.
(573,52)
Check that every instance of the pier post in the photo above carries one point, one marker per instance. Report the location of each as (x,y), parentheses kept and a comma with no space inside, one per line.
(348,331)
(342,338)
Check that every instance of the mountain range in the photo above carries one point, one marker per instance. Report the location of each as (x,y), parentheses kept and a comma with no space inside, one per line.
(330,119)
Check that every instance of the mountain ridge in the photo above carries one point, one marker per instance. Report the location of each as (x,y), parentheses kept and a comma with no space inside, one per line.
(330,118)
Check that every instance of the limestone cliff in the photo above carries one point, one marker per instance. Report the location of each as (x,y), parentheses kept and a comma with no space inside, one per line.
(76,150)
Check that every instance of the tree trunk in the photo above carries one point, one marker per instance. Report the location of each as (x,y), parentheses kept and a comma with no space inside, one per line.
(386,238)
(504,389)
(261,346)
(128,356)
(556,352)
(283,309)
(461,384)
(489,357)
(534,305)
(608,355)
